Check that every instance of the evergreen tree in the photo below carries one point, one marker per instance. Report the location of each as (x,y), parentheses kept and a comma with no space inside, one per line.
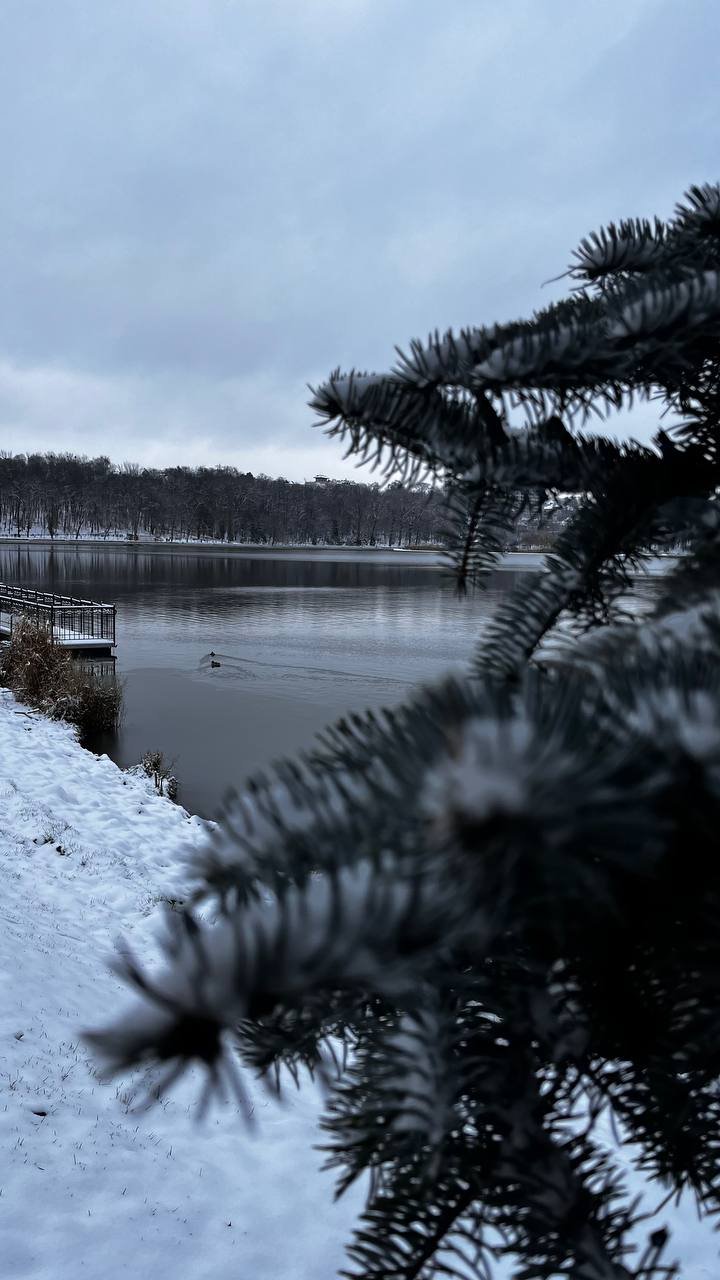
(490,919)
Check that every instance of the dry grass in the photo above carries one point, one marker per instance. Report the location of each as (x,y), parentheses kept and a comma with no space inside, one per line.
(44,675)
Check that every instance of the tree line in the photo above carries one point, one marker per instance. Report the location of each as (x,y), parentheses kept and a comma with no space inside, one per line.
(69,496)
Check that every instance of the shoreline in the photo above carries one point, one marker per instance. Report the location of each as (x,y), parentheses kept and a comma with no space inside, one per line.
(422,557)
(143,544)
(251,551)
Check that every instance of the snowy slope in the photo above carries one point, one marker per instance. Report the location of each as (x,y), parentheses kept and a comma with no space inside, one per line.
(90,1183)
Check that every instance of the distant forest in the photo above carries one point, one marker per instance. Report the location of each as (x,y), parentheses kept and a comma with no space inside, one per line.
(64,495)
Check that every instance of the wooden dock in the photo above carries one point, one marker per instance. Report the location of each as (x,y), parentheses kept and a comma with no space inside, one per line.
(83,626)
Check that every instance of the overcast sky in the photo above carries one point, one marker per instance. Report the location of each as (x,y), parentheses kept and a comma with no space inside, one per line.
(207,204)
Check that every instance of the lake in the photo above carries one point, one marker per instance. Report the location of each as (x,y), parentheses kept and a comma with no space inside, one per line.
(300,637)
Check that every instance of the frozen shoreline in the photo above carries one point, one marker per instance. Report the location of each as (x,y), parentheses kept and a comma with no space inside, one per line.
(91,1182)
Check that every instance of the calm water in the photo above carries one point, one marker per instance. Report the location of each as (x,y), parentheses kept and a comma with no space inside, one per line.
(299,640)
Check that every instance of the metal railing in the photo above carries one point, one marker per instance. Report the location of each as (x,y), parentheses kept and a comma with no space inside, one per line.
(65,618)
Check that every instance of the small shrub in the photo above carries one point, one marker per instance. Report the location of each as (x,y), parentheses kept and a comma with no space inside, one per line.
(153,762)
(161,772)
(44,675)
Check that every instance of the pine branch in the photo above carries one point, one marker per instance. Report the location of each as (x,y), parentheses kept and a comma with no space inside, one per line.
(382,422)
(634,246)
(629,510)
(491,916)
(400,1238)
(602,350)
(482,525)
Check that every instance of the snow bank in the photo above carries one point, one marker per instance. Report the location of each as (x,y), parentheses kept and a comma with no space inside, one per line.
(92,1181)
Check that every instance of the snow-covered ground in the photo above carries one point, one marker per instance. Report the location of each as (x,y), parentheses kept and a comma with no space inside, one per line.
(90,1182)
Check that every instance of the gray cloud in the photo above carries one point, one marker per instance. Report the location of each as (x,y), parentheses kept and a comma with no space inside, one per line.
(207,204)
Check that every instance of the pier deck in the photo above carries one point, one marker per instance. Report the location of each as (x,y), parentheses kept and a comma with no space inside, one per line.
(84,626)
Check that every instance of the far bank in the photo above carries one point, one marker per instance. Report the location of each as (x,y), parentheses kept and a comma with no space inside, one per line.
(525,560)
